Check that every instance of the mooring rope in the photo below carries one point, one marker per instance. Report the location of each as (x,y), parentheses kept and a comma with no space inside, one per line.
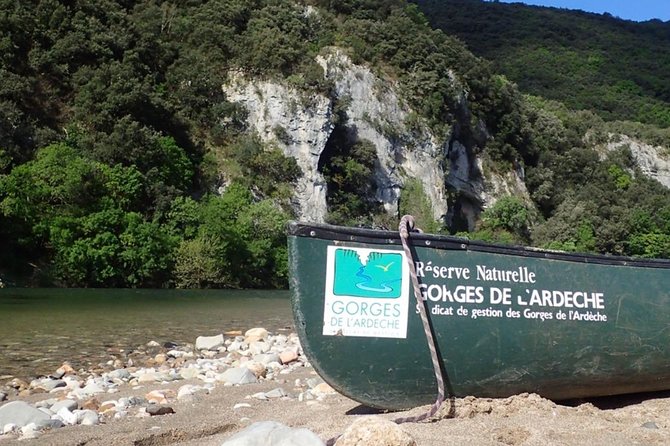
(405,227)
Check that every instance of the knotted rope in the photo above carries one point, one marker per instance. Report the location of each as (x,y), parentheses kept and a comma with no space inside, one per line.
(405,227)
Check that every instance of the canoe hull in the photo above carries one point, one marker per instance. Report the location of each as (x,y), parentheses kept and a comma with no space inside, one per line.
(506,320)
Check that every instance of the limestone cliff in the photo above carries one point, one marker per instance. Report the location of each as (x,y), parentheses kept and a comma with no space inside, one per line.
(300,129)
(405,147)
(653,161)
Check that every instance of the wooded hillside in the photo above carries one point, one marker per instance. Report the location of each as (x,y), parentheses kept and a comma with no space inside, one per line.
(617,68)
(122,163)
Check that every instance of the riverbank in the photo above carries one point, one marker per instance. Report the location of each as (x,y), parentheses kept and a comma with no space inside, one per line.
(202,393)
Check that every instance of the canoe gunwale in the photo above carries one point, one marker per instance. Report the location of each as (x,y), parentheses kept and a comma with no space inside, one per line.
(364,235)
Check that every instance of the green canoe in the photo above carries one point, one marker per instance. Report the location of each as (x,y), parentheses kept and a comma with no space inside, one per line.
(505,319)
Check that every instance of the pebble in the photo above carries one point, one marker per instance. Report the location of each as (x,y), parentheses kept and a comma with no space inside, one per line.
(155,410)
(288,356)
(88,417)
(29,432)
(209,342)
(375,430)
(323,389)
(259,347)
(271,433)
(67,416)
(255,334)
(67,403)
(48,384)
(107,405)
(237,375)
(156,397)
(189,373)
(235,360)
(120,374)
(186,390)
(267,358)
(18,384)
(91,404)
(21,414)
(241,406)
(65,369)
(258,369)
(276,393)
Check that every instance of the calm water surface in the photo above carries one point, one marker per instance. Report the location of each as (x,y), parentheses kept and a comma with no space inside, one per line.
(41,328)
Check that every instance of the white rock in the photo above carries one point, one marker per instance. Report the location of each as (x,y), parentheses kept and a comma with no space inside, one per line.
(21,414)
(238,375)
(271,433)
(237,346)
(122,374)
(88,418)
(29,432)
(89,389)
(180,354)
(47,411)
(187,390)
(255,334)
(267,358)
(257,368)
(241,406)
(150,377)
(69,404)
(270,106)
(276,393)
(189,372)
(67,416)
(258,347)
(209,342)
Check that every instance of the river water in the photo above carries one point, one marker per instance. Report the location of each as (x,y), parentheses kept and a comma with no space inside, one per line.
(42,328)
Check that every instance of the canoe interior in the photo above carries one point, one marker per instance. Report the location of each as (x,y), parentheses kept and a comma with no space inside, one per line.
(506,319)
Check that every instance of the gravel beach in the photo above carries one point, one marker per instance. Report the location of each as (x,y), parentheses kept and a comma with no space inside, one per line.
(202,394)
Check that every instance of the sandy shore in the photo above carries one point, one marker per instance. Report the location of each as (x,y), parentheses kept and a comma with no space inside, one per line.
(210,415)
(518,420)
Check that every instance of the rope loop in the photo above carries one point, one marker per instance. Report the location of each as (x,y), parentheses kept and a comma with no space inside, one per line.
(407,224)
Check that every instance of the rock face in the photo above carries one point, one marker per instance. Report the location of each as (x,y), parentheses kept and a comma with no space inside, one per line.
(300,130)
(653,161)
(369,431)
(406,149)
(377,115)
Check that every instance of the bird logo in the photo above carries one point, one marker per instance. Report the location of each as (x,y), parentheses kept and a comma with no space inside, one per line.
(385,268)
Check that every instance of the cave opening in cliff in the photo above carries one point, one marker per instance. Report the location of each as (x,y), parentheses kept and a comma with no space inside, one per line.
(347,164)
(460,217)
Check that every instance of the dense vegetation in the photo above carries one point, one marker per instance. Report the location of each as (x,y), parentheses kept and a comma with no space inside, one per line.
(614,67)
(610,77)
(123,164)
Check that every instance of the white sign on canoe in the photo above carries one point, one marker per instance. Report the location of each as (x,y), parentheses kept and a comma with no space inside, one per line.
(367,293)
